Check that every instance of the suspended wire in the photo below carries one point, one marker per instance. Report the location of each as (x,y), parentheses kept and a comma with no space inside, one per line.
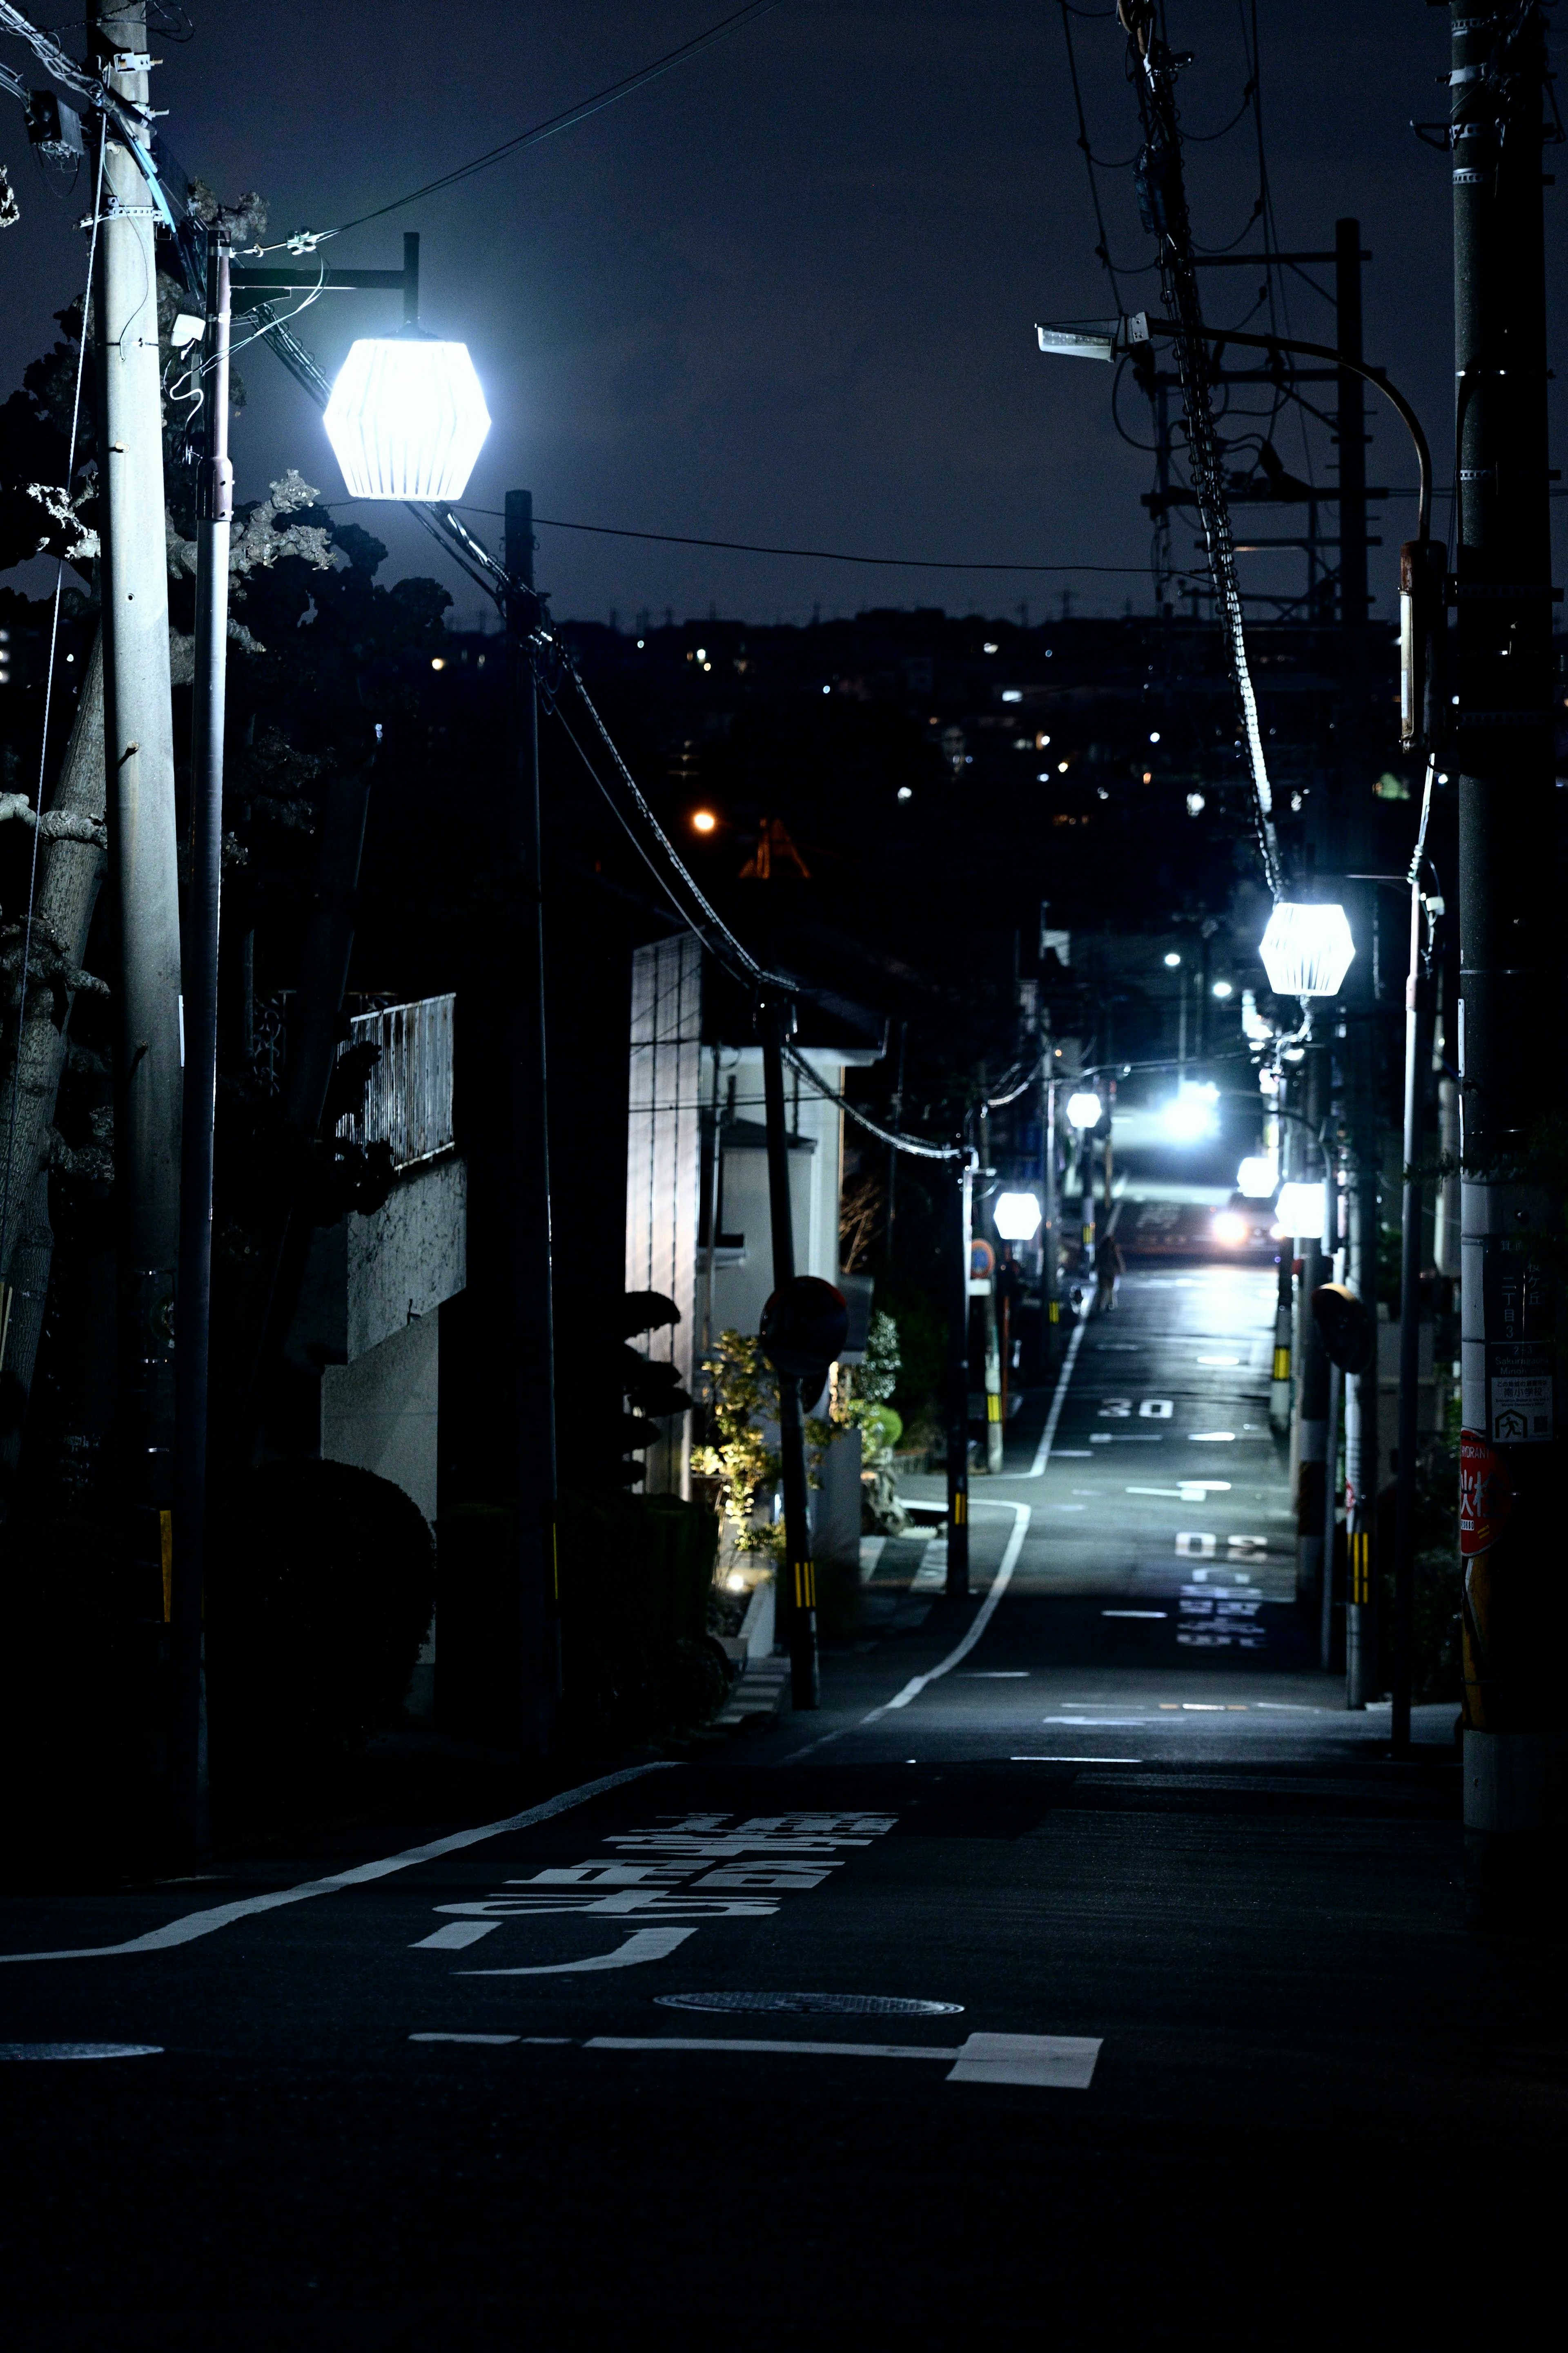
(736,22)
(48,705)
(816,555)
(1154,70)
(1103,248)
(915,1146)
(717,938)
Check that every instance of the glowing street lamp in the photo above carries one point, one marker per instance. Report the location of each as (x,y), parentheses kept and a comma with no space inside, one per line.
(407,419)
(1307,950)
(1300,1211)
(1083,1109)
(1016,1216)
(1257,1176)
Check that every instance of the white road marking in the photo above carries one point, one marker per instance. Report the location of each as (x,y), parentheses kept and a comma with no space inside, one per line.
(1134,1613)
(995,1675)
(193,1925)
(1212,1437)
(983,1616)
(1045,2062)
(1048,1436)
(455,1935)
(642,1944)
(465,2038)
(1076,1760)
(80,2049)
(1099,1723)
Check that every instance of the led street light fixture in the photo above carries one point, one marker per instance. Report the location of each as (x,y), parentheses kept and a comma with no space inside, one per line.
(407,419)
(1095,339)
(1083,1110)
(1255,1177)
(1017,1217)
(1307,950)
(1300,1211)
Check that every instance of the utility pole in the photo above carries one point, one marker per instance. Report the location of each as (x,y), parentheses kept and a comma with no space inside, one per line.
(797,1584)
(1364,1458)
(531,1267)
(188,1777)
(1050,1302)
(1419,1022)
(1313,1470)
(143,876)
(1363,1454)
(1511,1478)
(958,1384)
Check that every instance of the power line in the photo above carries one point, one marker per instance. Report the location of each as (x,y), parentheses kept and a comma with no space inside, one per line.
(735,22)
(815,554)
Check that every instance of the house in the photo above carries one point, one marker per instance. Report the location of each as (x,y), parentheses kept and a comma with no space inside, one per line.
(698,1222)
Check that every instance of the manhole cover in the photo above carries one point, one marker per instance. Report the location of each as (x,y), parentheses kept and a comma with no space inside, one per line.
(812,2005)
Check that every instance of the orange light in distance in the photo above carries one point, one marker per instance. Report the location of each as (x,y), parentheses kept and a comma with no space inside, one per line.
(1231,1228)
(704,821)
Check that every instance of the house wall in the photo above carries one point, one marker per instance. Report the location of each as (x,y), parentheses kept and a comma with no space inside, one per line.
(380,1412)
(744,1279)
(664,1170)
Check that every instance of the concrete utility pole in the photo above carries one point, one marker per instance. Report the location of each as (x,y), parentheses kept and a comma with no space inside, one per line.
(798,1582)
(1364,1459)
(1050,1228)
(188,1777)
(1362,1456)
(1312,1468)
(139,759)
(1512,1474)
(539,1663)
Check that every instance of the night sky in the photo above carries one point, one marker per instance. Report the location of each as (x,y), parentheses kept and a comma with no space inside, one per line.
(787,292)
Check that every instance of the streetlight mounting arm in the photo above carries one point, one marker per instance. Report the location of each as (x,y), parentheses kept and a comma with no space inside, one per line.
(1156,326)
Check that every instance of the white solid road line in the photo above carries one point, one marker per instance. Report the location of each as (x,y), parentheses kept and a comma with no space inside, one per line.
(983,1616)
(999,1584)
(1047,2062)
(186,1930)
(1047,1435)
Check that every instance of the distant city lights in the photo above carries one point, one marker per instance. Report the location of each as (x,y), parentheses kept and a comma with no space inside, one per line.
(1195,804)
(1153,736)
(704,821)
(1223,989)
(905,794)
(1171,960)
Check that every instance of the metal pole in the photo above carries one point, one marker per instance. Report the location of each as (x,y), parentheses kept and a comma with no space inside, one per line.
(958,1390)
(1313,1467)
(539,1663)
(143,864)
(1508,926)
(1331,1520)
(1362,1456)
(1417,1056)
(187,1775)
(1049,1270)
(797,1585)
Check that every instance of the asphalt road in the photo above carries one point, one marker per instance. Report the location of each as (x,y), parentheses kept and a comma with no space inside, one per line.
(1068,1972)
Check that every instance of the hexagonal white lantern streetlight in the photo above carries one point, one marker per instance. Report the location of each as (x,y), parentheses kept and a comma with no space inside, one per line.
(407,419)
(1305,950)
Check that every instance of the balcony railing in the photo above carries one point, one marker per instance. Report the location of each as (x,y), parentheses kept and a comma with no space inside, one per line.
(408,1095)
